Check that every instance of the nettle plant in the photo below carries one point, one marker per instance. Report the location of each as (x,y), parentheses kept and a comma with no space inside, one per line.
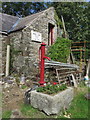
(60,50)
(51,89)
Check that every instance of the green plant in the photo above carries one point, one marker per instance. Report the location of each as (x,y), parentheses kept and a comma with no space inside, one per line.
(24,86)
(51,89)
(6,114)
(60,50)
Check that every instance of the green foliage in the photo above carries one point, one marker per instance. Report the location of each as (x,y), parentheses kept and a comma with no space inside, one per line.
(60,50)
(6,114)
(77,17)
(23,86)
(51,89)
(22,9)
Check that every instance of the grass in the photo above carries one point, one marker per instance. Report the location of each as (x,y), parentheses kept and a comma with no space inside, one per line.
(79,106)
(6,114)
(29,112)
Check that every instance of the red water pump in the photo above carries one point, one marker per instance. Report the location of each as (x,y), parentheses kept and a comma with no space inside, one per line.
(42,58)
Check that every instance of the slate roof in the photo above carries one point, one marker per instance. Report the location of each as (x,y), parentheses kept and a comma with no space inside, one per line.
(10,23)
(24,21)
(6,22)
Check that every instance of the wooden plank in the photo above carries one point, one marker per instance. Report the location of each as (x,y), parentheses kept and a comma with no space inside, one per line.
(76,46)
(59,64)
(63,76)
(81,42)
(57,75)
(65,69)
(77,50)
(74,81)
(65,73)
(88,68)
(64,26)
(62,80)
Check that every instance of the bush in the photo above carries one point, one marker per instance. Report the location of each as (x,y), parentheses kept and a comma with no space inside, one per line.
(60,50)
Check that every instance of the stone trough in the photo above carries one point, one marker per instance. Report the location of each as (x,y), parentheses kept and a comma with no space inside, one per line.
(52,104)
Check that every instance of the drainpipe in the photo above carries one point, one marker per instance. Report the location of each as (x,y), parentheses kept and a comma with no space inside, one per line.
(7,60)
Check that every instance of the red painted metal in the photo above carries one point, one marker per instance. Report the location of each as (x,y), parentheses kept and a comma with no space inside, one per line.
(42,63)
(52,35)
(54,83)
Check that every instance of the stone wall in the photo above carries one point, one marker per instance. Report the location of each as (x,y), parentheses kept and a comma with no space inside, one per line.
(3,45)
(0,54)
(25,52)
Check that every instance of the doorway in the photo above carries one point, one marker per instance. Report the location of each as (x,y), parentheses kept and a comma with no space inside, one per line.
(50,34)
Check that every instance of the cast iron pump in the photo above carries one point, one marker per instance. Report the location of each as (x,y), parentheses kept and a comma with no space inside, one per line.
(42,63)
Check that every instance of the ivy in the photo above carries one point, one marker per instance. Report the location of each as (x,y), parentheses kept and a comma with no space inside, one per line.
(60,50)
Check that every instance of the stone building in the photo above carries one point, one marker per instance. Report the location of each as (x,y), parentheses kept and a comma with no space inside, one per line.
(24,35)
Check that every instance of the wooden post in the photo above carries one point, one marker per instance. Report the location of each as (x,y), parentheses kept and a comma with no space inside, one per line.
(74,81)
(7,60)
(85,51)
(88,68)
(81,60)
(64,26)
(57,76)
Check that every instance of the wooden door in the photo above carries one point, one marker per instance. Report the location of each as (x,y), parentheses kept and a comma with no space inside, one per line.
(50,34)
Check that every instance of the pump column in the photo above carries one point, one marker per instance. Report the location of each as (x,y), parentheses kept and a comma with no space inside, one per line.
(42,64)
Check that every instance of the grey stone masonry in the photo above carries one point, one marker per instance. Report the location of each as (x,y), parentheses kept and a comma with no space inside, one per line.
(52,104)
(3,45)
(24,52)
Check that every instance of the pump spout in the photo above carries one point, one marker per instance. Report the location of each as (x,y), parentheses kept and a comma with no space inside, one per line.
(45,57)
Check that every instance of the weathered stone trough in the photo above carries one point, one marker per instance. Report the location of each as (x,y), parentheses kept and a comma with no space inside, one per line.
(51,104)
